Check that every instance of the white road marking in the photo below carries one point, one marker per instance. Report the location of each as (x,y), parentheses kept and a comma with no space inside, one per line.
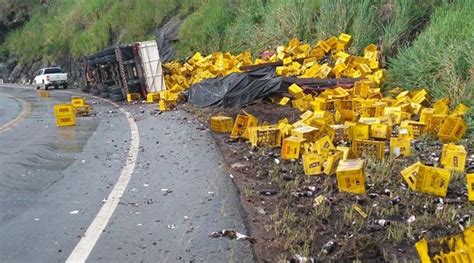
(83,249)
(25,111)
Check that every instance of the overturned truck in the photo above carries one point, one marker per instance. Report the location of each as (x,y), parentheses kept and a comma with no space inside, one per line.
(117,71)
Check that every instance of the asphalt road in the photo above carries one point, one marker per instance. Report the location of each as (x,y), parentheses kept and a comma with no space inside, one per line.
(55,181)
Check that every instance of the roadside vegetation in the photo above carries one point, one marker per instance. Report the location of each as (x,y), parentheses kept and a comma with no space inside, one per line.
(425,43)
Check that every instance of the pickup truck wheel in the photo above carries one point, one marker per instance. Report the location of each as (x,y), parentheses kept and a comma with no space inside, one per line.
(56,86)
(65,86)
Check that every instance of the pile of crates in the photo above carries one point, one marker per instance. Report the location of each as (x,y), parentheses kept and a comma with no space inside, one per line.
(351,125)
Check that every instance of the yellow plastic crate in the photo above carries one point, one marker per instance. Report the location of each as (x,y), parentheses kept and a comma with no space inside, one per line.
(63,110)
(452,129)
(77,101)
(410,173)
(319,104)
(324,144)
(370,120)
(453,157)
(296,91)
(300,104)
(332,162)
(343,104)
(152,97)
(221,124)
(242,123)
(65,120)
(306,116)
(131,97)
(470,187)
(434,181)
(284,101)
(291,147)
(426,115)
(166,105)
(360,131)
(85,110)
(380,131)
(306,132)
(43,93)
(265,136)
(350,176)
(400,147)
(406,131)
(323,117)
(363,148)
(460,110)
(418,128)
(312,164)
(345,151)
(435,122)
(426,179)
(343,115)
(452,249)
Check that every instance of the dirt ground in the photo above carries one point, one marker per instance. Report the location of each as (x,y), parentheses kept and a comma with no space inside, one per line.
(283,217)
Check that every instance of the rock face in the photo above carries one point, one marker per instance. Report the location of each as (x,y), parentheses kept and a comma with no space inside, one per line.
(16,13)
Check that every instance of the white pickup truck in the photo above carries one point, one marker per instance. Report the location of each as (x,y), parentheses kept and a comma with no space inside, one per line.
(47,77)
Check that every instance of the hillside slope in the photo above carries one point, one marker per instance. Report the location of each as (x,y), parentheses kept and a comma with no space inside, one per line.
(425,43)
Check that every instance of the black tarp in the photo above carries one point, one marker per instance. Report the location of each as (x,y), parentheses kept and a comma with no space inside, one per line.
(237,89)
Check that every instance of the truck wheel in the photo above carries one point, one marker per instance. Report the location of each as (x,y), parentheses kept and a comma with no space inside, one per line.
(115,90)
(65,86)
(116,97)
(95,92)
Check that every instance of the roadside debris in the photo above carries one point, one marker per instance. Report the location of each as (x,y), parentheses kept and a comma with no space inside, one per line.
(231,234)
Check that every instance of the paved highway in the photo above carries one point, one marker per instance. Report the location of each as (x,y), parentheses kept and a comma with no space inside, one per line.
(124,185)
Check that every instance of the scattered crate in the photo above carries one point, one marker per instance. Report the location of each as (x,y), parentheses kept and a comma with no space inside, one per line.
(313,164)
(453,157)
(350,176)
(43,93)
(222,124)
(452,129)
(133,97)
(63,110)
(291,147)
(242,123)
(153,97)
(78,101)
(456,248)
(366,148)
(426,179)
(265,136)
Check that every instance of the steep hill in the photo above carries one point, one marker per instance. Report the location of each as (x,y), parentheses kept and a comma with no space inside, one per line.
(425,43)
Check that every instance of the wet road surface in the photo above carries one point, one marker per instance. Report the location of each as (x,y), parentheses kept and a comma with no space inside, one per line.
(54,181)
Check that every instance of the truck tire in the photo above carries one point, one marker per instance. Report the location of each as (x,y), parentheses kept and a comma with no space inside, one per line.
(64,86)
(109,82)
(95,92)
(116,97)
(104,88)
(115,90)
(105,95)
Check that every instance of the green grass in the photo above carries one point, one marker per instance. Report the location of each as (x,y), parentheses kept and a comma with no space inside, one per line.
(426,43)
(441,58)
